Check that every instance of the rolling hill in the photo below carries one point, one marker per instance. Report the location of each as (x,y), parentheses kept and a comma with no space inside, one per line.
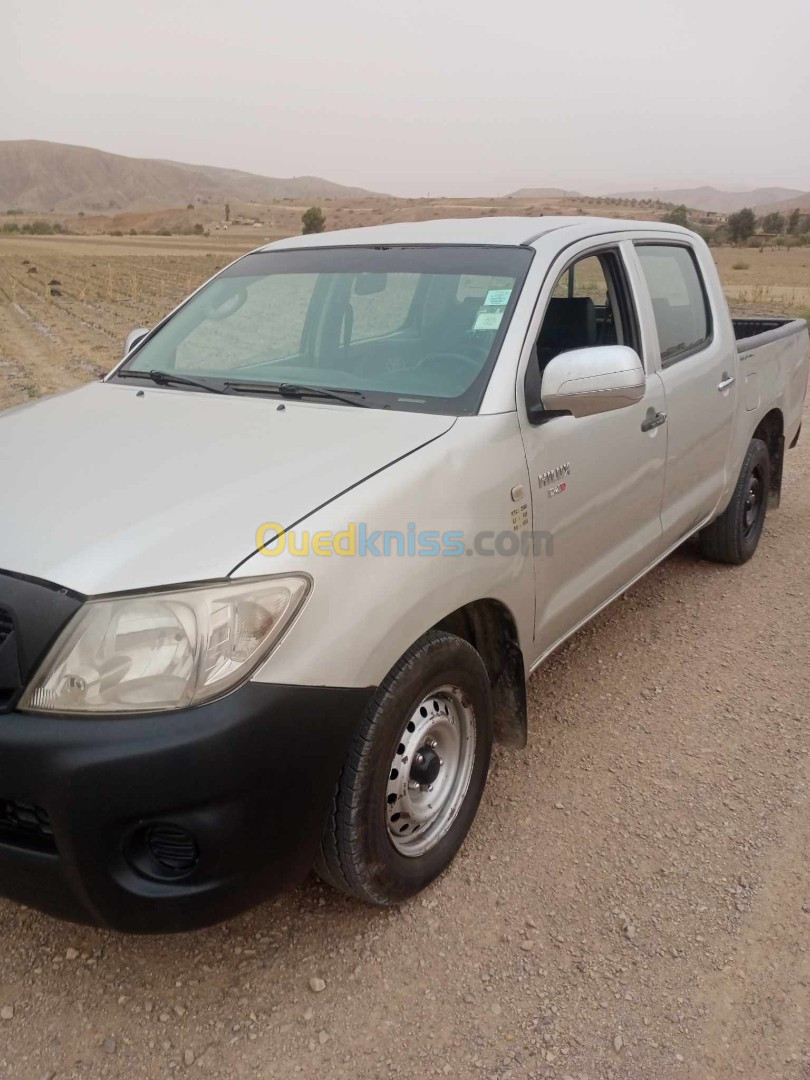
(543,193)
(711,198)
(42,176)
(800,202)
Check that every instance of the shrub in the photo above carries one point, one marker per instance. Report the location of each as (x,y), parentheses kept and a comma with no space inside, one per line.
(740,266)
(679,215)
(313,220)
(38,228)
(198,229)
(163,232)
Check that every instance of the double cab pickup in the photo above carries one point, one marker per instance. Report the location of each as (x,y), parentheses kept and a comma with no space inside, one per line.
(270,589)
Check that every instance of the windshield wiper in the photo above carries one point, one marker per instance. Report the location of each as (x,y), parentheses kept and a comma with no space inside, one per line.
(297,390)
(166,378)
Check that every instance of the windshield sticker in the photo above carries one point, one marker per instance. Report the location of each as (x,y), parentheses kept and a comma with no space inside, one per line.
(488,319)
(497,298)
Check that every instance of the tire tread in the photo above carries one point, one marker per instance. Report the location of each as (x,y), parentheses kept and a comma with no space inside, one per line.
(339,861)
(721,541)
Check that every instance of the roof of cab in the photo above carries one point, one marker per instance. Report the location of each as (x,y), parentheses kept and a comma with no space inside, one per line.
(508,231)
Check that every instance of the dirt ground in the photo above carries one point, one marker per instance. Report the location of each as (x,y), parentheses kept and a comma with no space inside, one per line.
(634,899)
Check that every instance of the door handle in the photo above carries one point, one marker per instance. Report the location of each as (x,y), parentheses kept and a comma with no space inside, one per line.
(653,419)
(726,382)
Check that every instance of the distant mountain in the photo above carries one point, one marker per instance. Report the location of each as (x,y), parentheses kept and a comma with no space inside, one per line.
(800,201)
(710,198)
(543,193)
(42,176)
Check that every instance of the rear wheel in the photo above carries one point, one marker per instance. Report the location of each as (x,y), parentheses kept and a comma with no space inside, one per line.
(414,776)
(733,537)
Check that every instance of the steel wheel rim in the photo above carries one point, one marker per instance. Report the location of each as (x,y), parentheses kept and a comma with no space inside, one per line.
(753,503)
(430,771)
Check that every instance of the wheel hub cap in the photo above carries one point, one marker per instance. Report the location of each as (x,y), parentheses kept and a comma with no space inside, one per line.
(430,771)
(426,766)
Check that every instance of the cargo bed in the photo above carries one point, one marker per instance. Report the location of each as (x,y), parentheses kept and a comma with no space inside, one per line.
(753,332)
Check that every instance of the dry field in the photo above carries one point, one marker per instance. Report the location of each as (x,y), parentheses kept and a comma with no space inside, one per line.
(633,901)
(66,303)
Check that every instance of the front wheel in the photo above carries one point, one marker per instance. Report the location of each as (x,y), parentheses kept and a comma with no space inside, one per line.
(733,537)
(414,775)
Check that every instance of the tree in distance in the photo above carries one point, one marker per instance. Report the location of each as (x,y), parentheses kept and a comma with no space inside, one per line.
(678,215)
(313,220)
(773,223)
(741,225)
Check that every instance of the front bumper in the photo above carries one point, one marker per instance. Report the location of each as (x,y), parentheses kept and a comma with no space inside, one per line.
(248,778)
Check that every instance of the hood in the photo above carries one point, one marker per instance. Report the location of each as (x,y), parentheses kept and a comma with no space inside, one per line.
(114,487)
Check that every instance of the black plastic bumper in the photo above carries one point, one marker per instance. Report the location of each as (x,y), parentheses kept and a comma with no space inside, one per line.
(248,779)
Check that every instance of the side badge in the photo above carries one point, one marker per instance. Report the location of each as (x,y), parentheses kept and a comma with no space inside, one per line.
(553,479)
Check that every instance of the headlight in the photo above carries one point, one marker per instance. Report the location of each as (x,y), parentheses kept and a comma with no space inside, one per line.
(164,650)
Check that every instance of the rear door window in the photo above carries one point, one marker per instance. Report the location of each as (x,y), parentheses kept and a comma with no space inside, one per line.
(680,305)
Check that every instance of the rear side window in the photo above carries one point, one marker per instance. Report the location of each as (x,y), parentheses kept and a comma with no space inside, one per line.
(682,316)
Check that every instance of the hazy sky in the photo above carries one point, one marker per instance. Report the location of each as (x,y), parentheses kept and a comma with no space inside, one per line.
(463,97)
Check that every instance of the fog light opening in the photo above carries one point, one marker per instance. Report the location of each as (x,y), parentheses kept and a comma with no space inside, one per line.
(163,850)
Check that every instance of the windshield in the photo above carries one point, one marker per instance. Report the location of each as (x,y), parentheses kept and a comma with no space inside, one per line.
(406,328)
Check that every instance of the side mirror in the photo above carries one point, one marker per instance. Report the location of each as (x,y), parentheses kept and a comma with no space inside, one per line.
(587,381)
(135,337)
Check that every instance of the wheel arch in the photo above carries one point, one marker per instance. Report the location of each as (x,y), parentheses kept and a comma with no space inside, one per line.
(490,627)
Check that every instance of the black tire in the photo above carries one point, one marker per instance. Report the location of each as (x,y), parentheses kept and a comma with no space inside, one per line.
(358,854)
(733,537)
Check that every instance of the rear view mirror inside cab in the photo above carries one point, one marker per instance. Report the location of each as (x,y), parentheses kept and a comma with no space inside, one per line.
(369,284)
(229,305)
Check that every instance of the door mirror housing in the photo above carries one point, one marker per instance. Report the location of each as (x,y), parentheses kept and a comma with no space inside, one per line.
(583,382)
(135,337)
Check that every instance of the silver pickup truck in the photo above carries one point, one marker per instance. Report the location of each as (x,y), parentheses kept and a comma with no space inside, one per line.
(270,590)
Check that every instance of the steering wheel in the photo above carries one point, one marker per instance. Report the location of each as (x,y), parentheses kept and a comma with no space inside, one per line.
(452,357)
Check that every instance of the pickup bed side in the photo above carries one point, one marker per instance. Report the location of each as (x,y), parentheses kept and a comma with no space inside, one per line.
(772,361)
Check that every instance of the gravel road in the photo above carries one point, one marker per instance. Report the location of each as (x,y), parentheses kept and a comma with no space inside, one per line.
(633,902)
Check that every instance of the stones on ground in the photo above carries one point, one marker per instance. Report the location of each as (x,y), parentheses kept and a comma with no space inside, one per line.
(323,1037)
(618,1042)
(316,984)
(110,1045)
(71,954)
(527,945)
(7,1012)
(558,806)
(188,1057)
(628,929)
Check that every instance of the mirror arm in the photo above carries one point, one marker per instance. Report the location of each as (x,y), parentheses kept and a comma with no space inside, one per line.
(535,411)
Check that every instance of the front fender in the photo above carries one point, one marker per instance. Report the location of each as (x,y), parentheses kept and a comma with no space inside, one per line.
(365,610)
